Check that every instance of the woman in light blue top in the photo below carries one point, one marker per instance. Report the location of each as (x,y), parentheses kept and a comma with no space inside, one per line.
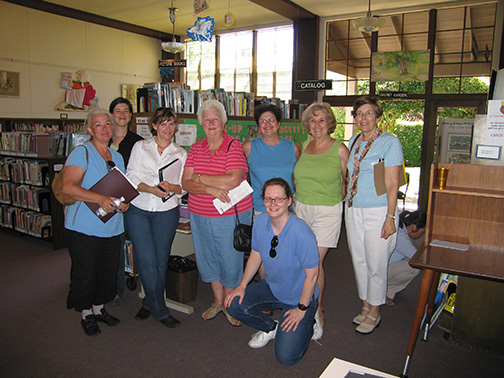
(270,155)
(370,218)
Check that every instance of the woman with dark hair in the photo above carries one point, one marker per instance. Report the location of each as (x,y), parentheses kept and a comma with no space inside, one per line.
(400,273)
(371,219)
(122,141)
(288,249)
(155,167)
(94,246)
(269,155)
(214,166)
(123,138)
(319,177)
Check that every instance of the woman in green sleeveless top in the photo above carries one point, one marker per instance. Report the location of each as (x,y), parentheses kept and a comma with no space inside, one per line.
(319,179)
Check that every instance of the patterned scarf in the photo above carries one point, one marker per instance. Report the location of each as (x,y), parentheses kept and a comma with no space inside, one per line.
(357,161)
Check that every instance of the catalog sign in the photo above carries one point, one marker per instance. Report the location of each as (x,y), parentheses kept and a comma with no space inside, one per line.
(313,85)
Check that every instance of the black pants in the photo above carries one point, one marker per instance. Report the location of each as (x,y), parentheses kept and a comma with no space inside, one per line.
(93,275)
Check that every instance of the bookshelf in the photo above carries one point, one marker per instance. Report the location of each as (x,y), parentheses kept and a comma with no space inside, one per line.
(27,167)
(469,210)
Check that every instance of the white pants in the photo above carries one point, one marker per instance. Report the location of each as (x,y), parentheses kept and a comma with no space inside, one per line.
(370,253)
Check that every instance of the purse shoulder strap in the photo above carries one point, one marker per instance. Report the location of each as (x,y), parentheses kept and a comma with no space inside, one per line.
(236,212)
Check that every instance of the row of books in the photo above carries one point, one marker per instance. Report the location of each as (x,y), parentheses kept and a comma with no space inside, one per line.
(24,171)
(26,221)
(41,144)
(36,127)
(129,266)
(25,196)
(185,100)
(291,109)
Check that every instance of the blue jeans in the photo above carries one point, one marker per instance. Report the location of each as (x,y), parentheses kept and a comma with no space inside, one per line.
(152,234)
(290,346)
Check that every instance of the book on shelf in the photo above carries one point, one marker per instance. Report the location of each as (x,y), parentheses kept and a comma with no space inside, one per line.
(113,184)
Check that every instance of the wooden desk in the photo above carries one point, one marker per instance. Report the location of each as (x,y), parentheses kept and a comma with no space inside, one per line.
(470,210)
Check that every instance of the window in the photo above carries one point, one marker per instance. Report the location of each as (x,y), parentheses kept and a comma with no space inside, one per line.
(200,70)
(275,54)
(236,61)
(462,53)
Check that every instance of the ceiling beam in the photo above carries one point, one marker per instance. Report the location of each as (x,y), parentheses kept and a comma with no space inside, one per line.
(285,8)
(90,17)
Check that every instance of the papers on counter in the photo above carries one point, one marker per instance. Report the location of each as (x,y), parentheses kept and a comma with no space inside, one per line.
(451,245)
(236,195)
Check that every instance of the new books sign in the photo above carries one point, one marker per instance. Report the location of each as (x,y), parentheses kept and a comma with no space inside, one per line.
(312,85)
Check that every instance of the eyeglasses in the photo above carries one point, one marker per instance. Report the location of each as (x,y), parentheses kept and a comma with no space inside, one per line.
(274,200)
(369,113)
(265,121)
(110,165)
(274,243)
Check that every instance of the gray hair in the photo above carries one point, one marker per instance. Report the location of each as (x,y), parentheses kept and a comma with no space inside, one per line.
(94,112)
(209,105)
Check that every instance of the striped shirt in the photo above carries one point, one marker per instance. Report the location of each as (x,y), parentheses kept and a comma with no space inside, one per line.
(217,164)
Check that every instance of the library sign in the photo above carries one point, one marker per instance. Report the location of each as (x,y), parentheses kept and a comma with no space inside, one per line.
(172,63)
(312,85)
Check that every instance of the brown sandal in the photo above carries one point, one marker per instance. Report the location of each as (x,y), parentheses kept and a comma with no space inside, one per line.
(234,322)
(212,311)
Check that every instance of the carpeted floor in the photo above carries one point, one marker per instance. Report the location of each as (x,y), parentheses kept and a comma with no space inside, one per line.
(39,337)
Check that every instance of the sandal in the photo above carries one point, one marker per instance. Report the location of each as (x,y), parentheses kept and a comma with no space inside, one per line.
(234,322)
(390,302)
(212,311)
(360,318)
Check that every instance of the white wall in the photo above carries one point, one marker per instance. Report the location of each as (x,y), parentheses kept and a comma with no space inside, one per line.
(41,45)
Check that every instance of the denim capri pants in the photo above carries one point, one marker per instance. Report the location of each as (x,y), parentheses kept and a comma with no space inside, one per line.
(216,257)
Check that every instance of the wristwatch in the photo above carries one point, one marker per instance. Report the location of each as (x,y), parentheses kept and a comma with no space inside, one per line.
(391,216)
(302,307)
(199,177)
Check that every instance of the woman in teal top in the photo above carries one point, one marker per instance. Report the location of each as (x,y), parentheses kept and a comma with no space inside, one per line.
(319,179)
(270,155)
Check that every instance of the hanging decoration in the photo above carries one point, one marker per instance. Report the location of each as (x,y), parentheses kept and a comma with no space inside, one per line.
(202,29)
(228,17)
(166,72)
(200,6)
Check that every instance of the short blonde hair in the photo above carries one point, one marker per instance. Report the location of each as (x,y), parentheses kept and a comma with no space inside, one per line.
(315,108)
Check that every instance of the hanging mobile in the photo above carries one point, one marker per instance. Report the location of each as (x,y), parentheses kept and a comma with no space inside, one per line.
(228,17)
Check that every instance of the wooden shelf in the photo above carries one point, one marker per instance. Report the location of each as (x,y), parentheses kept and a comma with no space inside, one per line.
(470,192)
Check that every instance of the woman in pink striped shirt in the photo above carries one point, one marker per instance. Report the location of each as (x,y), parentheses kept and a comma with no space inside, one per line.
(214,166)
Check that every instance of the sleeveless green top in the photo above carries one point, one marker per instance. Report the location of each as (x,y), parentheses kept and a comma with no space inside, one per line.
(318,177)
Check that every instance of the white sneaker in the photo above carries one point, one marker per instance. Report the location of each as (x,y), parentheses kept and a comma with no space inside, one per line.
(318,331)
(261,338)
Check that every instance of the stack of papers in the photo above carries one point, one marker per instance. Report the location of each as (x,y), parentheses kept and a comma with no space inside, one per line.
(451,245)
(236,195)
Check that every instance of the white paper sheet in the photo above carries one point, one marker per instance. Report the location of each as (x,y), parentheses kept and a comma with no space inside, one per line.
(236,195)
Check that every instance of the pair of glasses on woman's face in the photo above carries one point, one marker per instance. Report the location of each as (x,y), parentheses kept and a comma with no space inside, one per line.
(110,165)
(367,114)
(267,120)
(274,243)
(274,200)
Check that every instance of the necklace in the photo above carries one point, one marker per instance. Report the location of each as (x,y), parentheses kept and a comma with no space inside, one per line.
(357,161)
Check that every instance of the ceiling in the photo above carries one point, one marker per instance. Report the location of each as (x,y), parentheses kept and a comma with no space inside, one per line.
(153,14)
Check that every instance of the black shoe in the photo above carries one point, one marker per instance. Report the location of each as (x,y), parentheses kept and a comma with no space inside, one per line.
(90,326)
(106,318)
(170,322)
(142,314)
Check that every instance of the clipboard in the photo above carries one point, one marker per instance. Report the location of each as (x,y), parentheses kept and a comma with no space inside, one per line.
(161,178)
(113,184)
(379,177)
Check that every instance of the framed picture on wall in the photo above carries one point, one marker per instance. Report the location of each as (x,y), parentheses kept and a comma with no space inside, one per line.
(128,91)
(9,84)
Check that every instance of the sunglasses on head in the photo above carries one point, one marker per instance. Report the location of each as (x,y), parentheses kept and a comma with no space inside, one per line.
(274,243)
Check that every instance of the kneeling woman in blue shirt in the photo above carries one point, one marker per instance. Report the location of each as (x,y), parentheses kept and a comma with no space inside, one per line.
(288,249)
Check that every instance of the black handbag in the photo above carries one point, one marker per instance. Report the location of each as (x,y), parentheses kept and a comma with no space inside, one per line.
(242,236)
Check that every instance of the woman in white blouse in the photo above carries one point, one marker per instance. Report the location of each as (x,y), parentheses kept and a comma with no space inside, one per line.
(155,167)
